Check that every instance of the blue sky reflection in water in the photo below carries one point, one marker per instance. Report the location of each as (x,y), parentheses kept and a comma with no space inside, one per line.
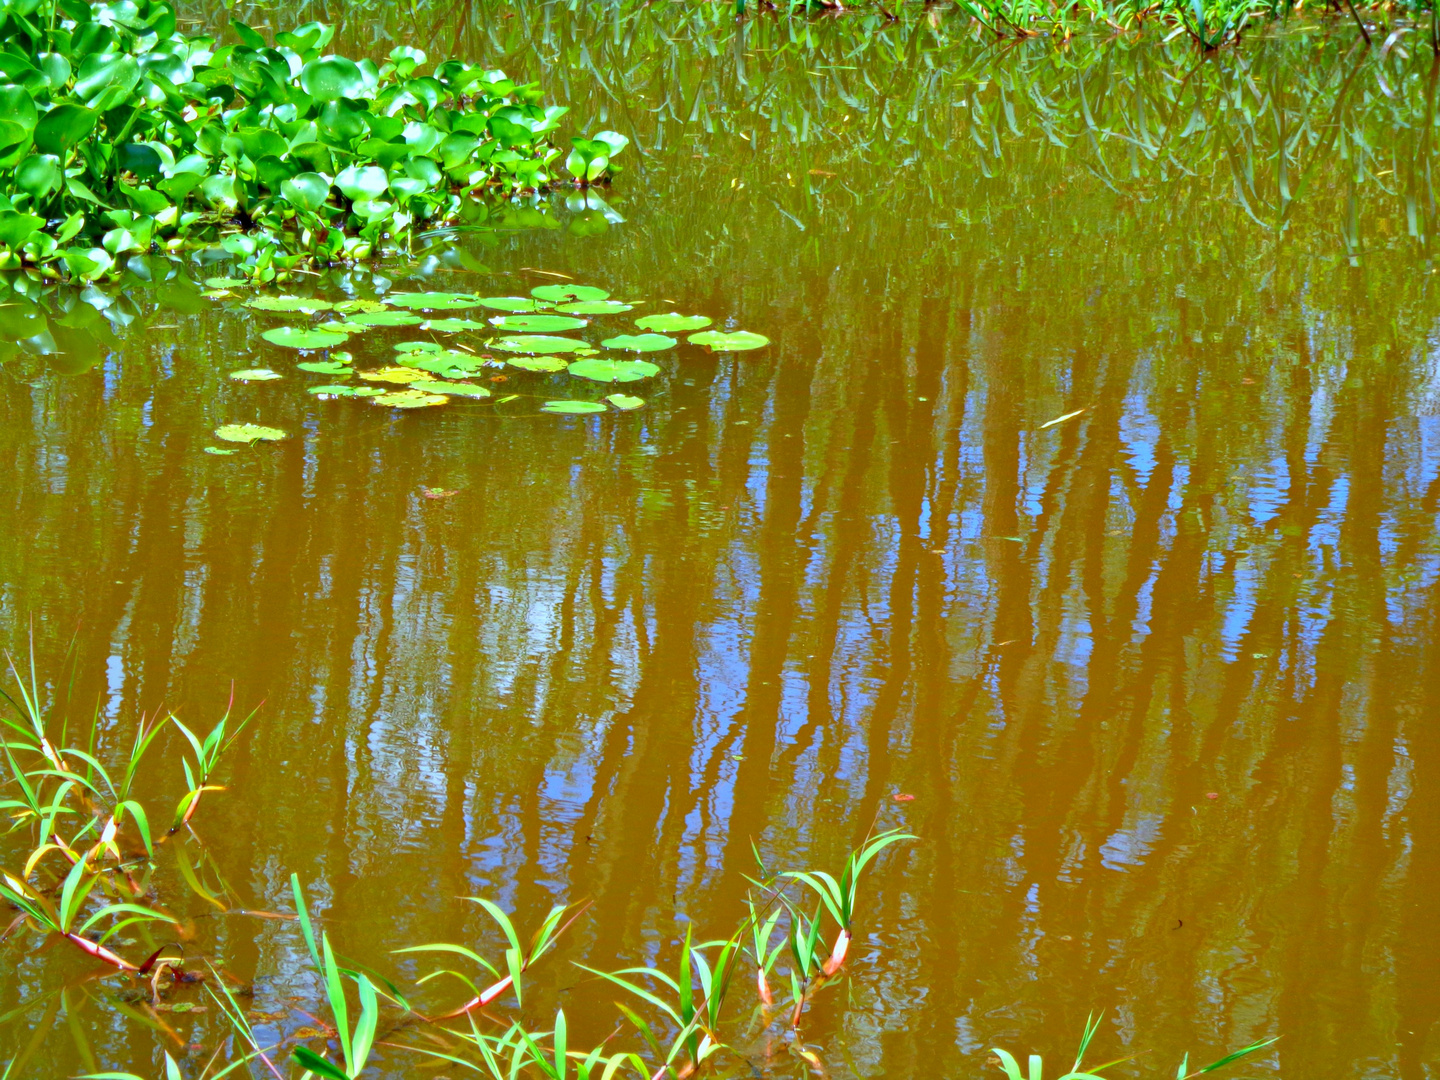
(1161,676)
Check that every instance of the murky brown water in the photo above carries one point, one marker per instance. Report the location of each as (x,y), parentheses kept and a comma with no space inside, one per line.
(1161,678)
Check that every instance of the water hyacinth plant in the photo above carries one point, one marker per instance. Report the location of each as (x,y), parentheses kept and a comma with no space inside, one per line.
(120,135)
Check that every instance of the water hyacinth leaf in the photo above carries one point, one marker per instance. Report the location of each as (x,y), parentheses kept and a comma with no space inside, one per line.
(673,322)
(510,303)
(640,342)
(396,375)
(249,433)
(459,389)
(538,363)
(62,127)
(362,183)
(594,307)
(568,294)
(324,367)
(538,343)
(625,402)
(297,304)
(307,190)
(739,341)
(452,326)
(540,323)
(255,375)
(433,301)
(613,371)
(300,337)
(332,77)
(408,399)
(386,318)
(573,408)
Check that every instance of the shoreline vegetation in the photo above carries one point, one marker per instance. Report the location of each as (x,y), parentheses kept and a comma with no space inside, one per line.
(88,873)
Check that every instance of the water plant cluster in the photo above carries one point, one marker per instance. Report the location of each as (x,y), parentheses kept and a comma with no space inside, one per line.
(467,352)
(120,135)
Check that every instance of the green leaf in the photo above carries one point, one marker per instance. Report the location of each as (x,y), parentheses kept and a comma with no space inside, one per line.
(672,322)
(625,402)
(565,294)
(542,323)
(15,228)
(332,77)
(538,343)
(408,399)
(17,106)
(433,301)
(308,1059)
(509,303)
(307,190)
(255,375)
(739,341)
(538,363)
(452,326)
(459,389)
(594,307)
(62,127)
(640,343)
(325,367)
(249,433)
(362,182)
(307,305)
(613,371)
(106,79)
(333,391)
(386,318)
(299,337)
(572,407)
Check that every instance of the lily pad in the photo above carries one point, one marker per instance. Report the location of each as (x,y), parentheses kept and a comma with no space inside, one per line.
(673,322)
(538,343)
(408,399)
(613,371)
(451,326)
(541,323)
(260,374)
(386,318)
(572,407)
(323,367)
(226,283)
(302,337)
(458,389)
(419,346)
(640,342)
(249,433)
(568,294)
(346,327)
(396,375)
(740,341)
(334,391)
(594,307)
(306,304)
(510,303)
(538,363)
(349,307)
(625,402)
(219,451)
(432,301)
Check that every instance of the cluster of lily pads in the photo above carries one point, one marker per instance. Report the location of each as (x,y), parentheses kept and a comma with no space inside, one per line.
(121,136)
(473,343)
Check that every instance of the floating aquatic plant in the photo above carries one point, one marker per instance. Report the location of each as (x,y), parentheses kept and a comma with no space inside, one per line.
(739,341)
(639,343)
(249,433)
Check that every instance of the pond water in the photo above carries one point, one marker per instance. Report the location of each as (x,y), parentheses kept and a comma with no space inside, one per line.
(1161,677)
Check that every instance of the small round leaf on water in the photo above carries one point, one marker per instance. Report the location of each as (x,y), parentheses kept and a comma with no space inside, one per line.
(217,450)
(509,303)
(419,346)
(249,433)
(323,367)
(594,307)
(396,375)
(300,304)
(567,294)
(386,318)
(640,342)
(346,327)
(625,402)
(333,391)
(348,307)
(538,343)
(451,326)
(538,363)
(433,301)
(225,283)
(408,399)
(572,407)
(299,337)
(672,322)
(740,341)
(613,371)
(459,389)
(255,375)
(540,323)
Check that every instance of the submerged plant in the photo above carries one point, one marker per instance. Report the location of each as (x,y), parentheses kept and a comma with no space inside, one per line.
(1078,1071)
